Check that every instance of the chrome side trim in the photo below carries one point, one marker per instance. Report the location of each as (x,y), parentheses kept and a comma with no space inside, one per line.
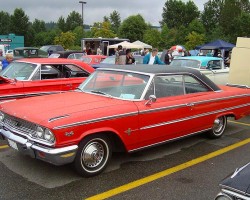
(17,96)
(95,120)
(195,103)
(166,141)
(193,117)
(57,118)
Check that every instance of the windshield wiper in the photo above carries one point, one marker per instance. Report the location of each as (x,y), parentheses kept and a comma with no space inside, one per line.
(100,92)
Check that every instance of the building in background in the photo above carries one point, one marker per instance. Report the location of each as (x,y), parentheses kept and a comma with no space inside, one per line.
(11,41)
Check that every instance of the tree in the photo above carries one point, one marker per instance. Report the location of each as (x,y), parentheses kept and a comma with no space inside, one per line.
(67,40)
(19,22)
(61,24)
(73,20)
(79,34)
(133,28)
(103,30)
(194,39)
(210,17)
(152,37)
(4,23)
(38,26)
(115,21)
(196,26)
(177,13)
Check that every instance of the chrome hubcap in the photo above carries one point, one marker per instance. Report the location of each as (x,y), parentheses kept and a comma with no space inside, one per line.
(218,125)
(93,154)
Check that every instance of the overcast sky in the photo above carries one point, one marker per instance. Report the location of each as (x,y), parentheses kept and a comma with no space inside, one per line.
(94,10)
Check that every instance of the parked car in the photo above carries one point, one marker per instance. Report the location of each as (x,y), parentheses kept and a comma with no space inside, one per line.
(39,76)
(236,186)
(110,61)
(52,48)
(29,52)
(89,59)
(212,67)
(64,54)
(120,108)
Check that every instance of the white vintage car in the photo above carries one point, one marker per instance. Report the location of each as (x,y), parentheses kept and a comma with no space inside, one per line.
(212,67)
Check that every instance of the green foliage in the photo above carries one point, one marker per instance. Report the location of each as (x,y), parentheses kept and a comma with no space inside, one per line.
(66,39)
(133,28)
(79,34)
(61,24)
(38,26)
(194,39)
(73,20)
(102,30)
(196,26)
(115,21)
(177,13)
(152,37)
(4,23)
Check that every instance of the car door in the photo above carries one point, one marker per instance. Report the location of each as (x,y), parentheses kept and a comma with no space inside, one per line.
(220,72)
(172,115)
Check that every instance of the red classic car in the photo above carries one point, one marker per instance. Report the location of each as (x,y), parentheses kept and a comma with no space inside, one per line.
(39,76)
(124,108)
(89,59)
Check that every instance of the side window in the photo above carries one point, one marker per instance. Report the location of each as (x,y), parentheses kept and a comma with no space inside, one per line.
(169,85)
(214,64)
(193,86)
(49,72)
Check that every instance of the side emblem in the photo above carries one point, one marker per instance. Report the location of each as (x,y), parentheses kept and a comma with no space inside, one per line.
(68,134)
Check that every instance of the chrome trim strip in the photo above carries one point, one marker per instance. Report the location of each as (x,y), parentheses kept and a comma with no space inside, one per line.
(193,117)
(241,195)
(57,118)
(95,120)
(16,96)
(170,140)
(195,103)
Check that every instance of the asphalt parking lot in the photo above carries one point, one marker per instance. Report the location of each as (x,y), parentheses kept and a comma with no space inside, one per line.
(186,169)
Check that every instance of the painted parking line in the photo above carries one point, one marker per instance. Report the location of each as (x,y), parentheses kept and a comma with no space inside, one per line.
(166,172)
(4,146)
(234,122)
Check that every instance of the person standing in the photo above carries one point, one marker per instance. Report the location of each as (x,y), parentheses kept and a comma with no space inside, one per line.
(120,56)
(152,58)
(129,57)
(168,57)
(8,59)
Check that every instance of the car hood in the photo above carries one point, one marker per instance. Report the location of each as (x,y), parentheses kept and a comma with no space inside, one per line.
(239,180)
(40,109)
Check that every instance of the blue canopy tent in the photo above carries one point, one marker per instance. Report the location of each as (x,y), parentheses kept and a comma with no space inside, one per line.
(217,44)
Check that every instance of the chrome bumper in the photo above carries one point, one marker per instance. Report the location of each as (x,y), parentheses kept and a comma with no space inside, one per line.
(56,156)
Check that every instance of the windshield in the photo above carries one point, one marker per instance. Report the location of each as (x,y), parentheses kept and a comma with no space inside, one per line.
(86,59)
(19,71)
(186,63)
(109,60)
(124,85)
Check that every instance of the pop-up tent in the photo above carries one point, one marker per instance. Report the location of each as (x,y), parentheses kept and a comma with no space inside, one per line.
(126,45)
(217,44)
(145,46)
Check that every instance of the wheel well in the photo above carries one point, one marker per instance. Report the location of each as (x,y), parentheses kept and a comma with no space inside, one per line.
(231,115)
(116,142)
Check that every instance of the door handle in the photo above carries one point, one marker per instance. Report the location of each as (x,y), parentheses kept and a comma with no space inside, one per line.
(191,105)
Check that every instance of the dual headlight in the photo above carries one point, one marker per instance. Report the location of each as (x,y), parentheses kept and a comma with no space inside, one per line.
(45,134)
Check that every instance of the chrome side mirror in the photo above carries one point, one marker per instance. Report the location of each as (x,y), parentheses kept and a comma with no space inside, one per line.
(152,99)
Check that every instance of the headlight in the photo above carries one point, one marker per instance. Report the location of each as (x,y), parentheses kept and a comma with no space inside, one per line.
(40,132)
(1,116)
(49,136)
(223,196)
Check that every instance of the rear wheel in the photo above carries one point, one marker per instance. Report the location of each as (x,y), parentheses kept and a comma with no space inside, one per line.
(93,155)
(218,127)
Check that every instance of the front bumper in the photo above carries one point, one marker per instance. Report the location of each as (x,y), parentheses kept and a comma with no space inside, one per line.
(56,156)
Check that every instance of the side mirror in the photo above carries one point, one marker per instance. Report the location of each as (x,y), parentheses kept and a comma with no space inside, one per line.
(152,99)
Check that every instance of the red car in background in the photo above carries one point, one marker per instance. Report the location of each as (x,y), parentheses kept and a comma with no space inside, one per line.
(40,76)
(89,59)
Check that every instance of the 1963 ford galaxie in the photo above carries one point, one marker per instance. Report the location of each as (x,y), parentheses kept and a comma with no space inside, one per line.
(125,108)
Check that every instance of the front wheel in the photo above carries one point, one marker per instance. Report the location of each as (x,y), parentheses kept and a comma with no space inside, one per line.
(93,155)
(218,128)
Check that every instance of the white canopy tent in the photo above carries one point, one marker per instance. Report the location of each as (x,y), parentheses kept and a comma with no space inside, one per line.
(145,46)
(126,45)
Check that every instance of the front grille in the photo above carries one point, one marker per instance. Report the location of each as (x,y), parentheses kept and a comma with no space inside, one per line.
(19,125)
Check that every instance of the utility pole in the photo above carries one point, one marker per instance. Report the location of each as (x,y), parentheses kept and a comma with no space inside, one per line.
(82,2)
